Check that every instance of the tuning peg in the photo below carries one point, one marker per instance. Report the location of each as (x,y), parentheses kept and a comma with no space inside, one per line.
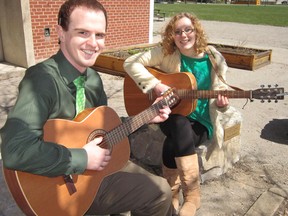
(262,86)
(262,101)
(269,86)
(276,101)
(276,85)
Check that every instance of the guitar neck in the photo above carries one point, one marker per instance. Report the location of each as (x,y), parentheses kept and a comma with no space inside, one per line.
(185,86)
(133,123)
(206,94)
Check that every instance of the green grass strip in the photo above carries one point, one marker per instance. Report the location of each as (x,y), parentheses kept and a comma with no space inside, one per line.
(274,15)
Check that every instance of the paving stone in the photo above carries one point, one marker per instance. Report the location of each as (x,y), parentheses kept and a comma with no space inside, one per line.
(267,204)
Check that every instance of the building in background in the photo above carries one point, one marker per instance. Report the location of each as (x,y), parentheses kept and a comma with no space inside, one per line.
(28,33)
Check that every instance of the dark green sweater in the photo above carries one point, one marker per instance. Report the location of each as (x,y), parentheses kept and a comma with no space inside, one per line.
(47,92)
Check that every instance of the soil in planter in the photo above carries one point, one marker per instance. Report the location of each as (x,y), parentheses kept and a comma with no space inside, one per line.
(123,54)
(236,49)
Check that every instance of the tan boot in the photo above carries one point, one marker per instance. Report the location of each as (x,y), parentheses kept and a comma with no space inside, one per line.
(188,169)
(173,179)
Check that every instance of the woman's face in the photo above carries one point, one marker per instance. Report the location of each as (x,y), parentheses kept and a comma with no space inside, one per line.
(185,36)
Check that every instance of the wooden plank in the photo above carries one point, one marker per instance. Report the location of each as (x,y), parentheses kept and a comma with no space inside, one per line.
(109,71)
(238,61)
(110,62)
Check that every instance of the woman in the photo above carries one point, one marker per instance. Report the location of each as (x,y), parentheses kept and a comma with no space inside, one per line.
(184,49)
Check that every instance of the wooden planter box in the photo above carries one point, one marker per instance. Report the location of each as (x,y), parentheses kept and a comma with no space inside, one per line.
(111,61)
(244,58)
(236,57)
(110,65)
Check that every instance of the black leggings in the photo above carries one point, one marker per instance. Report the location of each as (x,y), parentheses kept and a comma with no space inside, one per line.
(182,136)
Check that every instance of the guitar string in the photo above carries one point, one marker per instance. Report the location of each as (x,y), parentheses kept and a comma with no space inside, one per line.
(120,132)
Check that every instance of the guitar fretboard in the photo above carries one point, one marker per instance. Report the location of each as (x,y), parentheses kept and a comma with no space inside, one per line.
(202,94)
(133,123)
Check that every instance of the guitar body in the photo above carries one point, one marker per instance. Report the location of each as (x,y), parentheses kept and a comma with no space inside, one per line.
(40,195)
(136,101)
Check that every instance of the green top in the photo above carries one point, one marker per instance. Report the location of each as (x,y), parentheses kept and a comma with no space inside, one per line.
(46,92)
(201,69)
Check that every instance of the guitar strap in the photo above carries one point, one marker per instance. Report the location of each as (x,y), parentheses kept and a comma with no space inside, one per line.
(215,67)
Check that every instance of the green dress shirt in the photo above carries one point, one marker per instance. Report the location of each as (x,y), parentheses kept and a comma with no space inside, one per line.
(47,92)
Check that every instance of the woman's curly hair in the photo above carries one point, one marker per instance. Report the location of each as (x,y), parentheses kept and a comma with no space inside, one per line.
(168,43)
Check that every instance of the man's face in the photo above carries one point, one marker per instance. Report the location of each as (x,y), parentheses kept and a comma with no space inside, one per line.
(85,38)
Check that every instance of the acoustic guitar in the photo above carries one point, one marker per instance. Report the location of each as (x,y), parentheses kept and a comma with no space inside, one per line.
(186,88)
(52,196)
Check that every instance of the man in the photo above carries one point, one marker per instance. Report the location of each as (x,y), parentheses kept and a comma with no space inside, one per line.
(47,92)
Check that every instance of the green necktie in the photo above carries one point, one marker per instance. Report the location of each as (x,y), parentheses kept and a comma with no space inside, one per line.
(80,94)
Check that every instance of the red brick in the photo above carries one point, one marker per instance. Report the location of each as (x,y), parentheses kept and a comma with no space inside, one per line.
(125,25)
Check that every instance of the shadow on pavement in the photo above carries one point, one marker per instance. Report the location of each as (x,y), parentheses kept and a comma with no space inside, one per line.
(276,131)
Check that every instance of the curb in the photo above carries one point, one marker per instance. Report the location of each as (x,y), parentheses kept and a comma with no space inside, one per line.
(269,202)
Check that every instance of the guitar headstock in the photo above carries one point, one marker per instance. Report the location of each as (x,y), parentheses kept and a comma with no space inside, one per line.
(171,98)
(269,94)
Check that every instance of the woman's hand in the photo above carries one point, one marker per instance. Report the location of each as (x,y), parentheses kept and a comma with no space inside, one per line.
(222,101)
(98,157)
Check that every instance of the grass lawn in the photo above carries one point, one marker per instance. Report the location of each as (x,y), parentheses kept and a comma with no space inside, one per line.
(274,15)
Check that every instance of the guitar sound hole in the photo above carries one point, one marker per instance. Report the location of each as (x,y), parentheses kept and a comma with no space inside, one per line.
(100,133)
(95,134)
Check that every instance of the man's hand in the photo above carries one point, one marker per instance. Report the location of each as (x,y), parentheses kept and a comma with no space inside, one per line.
(163,113)
(98,157)
(159,89)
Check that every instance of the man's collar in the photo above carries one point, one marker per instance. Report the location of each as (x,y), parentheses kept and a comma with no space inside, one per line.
(67,70)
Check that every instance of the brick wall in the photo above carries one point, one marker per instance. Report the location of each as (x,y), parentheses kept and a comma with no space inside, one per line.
(128,24)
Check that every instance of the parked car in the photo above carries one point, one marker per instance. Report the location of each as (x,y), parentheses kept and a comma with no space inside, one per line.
(205,1)
(283,2)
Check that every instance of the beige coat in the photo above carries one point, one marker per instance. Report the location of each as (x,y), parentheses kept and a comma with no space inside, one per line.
(135,67)
(218,154)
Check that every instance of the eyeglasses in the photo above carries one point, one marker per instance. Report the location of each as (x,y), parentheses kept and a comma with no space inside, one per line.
(187,31)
